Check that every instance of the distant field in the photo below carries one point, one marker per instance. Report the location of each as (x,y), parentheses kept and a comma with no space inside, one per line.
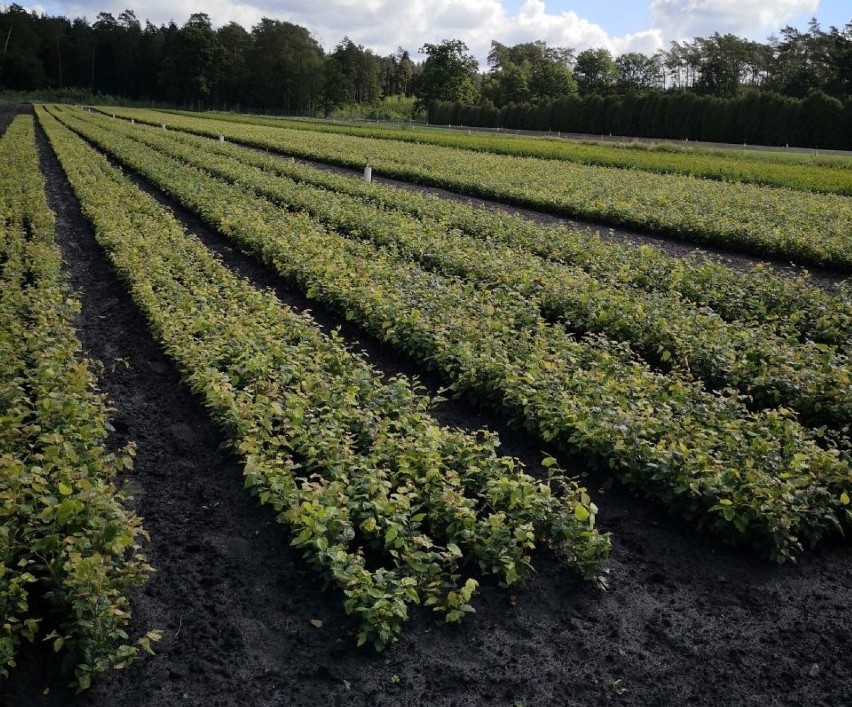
(797,226)
(795,170)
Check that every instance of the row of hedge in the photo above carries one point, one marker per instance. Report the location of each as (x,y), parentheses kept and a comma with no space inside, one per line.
(756,118)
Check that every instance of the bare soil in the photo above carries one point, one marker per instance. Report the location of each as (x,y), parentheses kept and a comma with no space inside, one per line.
(685,621)
(7,113)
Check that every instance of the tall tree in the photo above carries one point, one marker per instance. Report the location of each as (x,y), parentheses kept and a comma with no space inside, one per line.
(107,45)
(285,66)
(55,43)
(638,72)
(151,51)
(530,71)
(361,71)
(234,77)
(198,58)
(81,46)
(725,63)
(405,71)
(448,74)
(595,71)
(130,68)
(802,62)
(21,66)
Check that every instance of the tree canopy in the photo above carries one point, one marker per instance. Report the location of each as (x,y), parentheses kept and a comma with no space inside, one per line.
(448,74)
(279,65)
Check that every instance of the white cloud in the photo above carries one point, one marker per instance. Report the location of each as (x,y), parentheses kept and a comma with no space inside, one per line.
(569,29)
(37,9)
(384,25)
(696,18)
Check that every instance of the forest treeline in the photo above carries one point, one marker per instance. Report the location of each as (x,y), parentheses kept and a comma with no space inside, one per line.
(795,88)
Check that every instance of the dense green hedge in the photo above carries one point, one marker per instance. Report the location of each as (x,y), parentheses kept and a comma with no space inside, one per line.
(756,118)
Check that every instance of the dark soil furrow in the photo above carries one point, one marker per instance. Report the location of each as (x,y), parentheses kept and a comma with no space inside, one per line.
(8,111)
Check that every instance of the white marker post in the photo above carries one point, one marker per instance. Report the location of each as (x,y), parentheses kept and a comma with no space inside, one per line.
(368,173)
(221,138)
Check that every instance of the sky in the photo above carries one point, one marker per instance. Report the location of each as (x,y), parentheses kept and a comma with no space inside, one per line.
(384,25)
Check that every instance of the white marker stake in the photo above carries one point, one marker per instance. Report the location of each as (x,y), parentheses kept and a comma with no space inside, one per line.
(221,138)
(368,173)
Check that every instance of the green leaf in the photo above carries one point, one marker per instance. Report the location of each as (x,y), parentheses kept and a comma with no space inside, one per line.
(511,574)
(454,616)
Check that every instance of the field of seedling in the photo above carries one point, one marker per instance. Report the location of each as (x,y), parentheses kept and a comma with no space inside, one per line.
(519,421)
